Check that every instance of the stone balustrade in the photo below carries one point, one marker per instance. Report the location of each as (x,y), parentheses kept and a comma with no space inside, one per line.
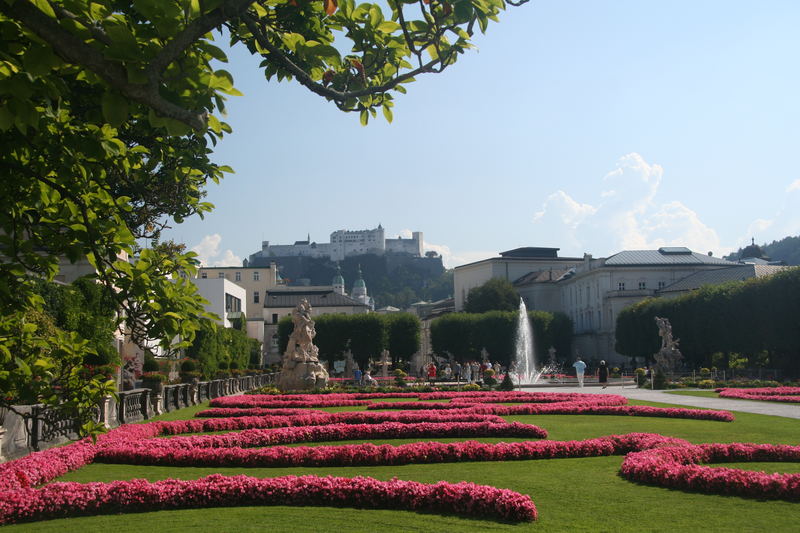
(45,428)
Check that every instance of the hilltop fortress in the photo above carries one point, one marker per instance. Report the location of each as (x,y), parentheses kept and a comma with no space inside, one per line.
(343,243)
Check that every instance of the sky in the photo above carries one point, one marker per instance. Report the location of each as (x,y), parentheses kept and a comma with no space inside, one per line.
(591,126)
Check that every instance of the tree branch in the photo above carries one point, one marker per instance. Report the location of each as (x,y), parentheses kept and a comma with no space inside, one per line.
(75,51)
(193,31)
(305,79)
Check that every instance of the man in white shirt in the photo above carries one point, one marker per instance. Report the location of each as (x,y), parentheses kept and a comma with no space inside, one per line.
(580,368)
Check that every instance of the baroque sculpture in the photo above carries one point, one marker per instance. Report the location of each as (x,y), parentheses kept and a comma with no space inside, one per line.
(301,368)
(669,356)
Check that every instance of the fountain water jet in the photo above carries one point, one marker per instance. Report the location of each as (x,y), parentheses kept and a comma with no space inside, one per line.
(525,357)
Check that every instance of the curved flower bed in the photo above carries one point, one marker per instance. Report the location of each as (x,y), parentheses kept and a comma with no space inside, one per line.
(677,467)
(270,401)
(772,394)
(331,432)
(566,408)
(70,499)
(382,455)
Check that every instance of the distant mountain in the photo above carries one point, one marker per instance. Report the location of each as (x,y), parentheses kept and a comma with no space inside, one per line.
(786,250)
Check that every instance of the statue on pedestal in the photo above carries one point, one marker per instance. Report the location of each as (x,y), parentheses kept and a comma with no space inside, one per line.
(669,356)
(385,363)
(301,367)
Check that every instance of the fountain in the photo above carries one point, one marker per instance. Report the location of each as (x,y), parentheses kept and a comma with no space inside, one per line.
(523,370)
(525,358)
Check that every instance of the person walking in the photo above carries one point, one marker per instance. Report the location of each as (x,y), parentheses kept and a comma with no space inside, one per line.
(602,374)
(580,368)
(457,372)
(448,372)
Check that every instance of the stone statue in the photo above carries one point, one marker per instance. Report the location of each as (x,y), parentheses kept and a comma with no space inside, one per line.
(385,363)
(301,368)
(669,356)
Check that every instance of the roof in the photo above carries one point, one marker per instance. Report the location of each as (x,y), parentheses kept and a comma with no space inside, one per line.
(718,276)
(531,251)
(316,296)
(664,256)
(541,276)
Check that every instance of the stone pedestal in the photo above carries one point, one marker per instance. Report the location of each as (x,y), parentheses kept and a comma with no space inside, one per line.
(156,398)
(2,435)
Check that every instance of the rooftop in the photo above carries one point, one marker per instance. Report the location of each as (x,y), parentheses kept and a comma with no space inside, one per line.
(664,256)
(721,275)
(316,296)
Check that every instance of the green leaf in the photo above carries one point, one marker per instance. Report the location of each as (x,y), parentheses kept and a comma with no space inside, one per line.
(387,114)
(45,7)
(115,108)
(364,117)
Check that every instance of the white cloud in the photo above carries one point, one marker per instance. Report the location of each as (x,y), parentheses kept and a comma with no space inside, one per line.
(626,215)
(208,252)
(794,186)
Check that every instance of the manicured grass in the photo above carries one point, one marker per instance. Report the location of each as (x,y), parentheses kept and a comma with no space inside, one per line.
(703,393)
(584,494)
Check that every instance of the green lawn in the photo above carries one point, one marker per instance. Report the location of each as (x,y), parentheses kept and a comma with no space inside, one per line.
(703,393)
(571,494)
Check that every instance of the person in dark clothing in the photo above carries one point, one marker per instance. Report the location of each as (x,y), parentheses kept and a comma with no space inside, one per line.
(602,374)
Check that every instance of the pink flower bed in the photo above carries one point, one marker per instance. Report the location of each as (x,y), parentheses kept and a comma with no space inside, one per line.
(566,408)
(651,458)
(677,467)
(263,418)
(70,499)
(773,394)
(382,455)
(331,432)
(270,401)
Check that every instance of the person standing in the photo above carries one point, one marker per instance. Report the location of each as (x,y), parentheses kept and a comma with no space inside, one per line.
(580,368)
(357,377)
(602,374)
(448,372)
(467,370)
(432,373)
(457,372)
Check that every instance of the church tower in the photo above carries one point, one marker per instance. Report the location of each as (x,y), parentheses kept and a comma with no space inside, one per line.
(338,281)
(360,289)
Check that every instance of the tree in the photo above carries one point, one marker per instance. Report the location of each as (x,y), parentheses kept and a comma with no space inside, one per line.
(109,110)
(495,295)
(403,335)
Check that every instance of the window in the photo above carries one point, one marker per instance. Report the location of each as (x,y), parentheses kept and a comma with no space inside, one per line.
(238,276)
(621,286)
(274,318)
(204,275)
(221,275)
(255,297)
(642,285)
(255,275)
(662,284)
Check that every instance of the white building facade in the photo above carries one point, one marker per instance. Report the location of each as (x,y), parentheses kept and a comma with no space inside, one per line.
(345,243)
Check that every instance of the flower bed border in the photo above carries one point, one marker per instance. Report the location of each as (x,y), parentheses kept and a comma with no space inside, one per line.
(61,500)
(679,468)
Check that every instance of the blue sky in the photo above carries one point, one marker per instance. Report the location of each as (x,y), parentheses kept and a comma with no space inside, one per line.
(592,126)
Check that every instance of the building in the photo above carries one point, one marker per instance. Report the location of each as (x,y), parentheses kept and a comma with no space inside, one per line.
(255,281)
(512,265)
(225,299)
(717,276)
(592,292)
(343,243)
(595,291)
